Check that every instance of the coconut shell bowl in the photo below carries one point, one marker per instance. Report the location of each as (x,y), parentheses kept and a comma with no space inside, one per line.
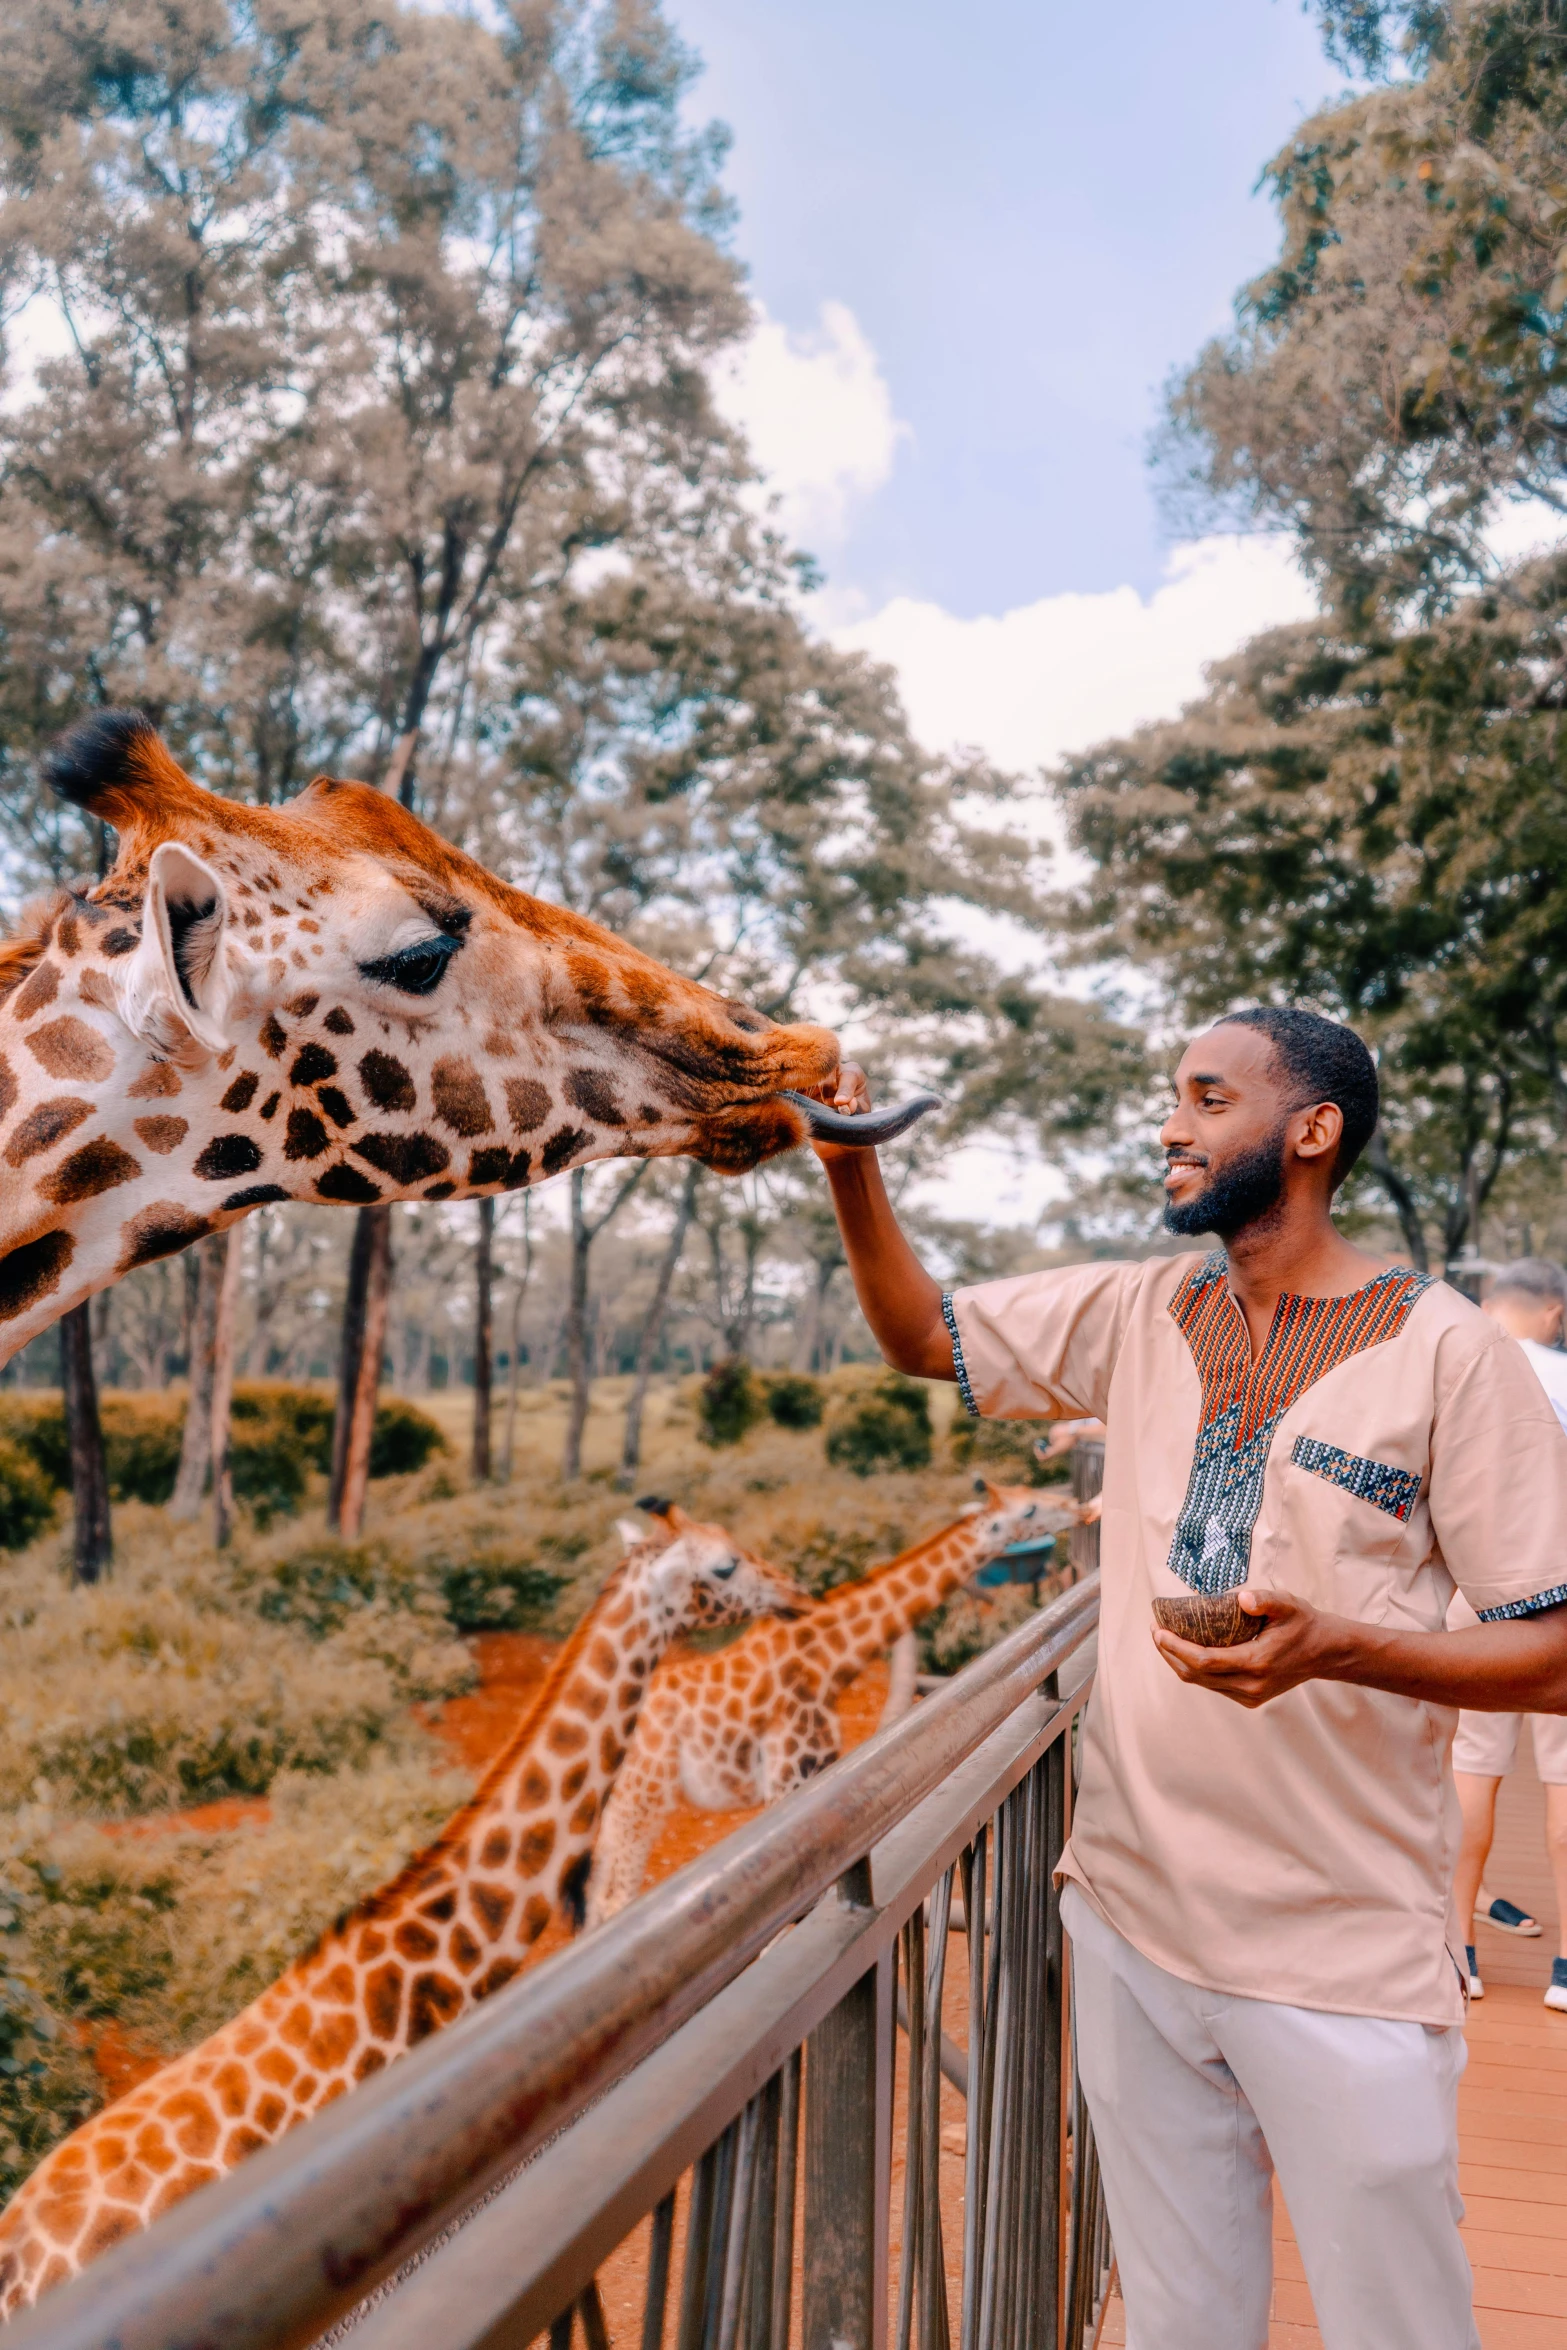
(1208,1619)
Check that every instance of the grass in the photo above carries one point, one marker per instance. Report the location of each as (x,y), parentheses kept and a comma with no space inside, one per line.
(294,1667)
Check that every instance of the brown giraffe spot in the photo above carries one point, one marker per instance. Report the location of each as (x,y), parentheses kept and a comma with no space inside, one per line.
(193,2122)
(535,1917)
(296,2025)
(495,1164)
(121,942)
(251,919)
(40,989)
(434,2001)
(338,1021)
(227,1156)
(593,1090)
(565,1737)
(495,1849)
(384,2001)
(307,923)
(601,1657)
(347,1184)
(573,1782)
(162,1134)
(610,1751)
(275,2064)
(241,1093)
(440,1191)
(493,1904)
(68,937)
(337,1105)
(387,1082)
(108,2226)
(256,1195)
(306,1137)
(240,2142)
(269,1106)
(497,1975)
(312,1063)
(339,1986)
(590,1701)
(232,2088)
(534,1847)
(69,1048)
(32,1271)
(273,1036)
(368,2061)
(331,2042)
(8,1088)
(443,1907)
(457,1090)
(270,2113)
(534,1790)
(371,1944)
(528,1103)
(302,1005)
(42,1128)
(562,1148)
(585,1814)
(153,2149)
(465,1951)
(414,1940)
(155,1083)
(406,1158)
(498,1046)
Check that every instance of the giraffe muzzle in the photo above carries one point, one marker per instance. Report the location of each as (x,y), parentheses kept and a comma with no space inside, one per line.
(866,1128)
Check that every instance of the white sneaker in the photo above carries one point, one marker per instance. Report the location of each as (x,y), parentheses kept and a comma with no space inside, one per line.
(1556,1996)
(1476,1987)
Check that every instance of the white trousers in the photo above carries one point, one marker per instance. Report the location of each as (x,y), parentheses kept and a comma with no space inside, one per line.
(1196,2097)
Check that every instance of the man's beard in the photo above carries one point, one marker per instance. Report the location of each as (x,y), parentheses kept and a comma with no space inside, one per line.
(1243,1191)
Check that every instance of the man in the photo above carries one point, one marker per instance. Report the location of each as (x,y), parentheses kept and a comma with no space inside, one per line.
(1267,1970)
(1528,1300)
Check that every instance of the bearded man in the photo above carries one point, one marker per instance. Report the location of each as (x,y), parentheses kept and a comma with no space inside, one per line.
(1269,1972)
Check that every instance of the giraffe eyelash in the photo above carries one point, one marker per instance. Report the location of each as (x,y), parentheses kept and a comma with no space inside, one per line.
(414,970)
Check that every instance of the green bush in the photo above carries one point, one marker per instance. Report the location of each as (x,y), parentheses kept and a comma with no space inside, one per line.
(26,1497)
(489,1588)
(47,2083)
(403,1438)
(1003,1450)
(793,1400)
(730,1403)
(886,1426)
(141,1440)
(489,1591)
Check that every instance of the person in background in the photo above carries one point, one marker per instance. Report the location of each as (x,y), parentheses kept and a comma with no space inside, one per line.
(1529,1299)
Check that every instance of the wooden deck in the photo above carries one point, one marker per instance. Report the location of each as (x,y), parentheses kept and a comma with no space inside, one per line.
(1512,2120)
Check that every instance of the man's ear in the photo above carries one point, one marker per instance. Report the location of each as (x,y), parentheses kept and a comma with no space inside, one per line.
(177,987)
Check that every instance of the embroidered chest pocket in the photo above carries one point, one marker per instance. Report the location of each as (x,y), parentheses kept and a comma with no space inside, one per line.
(1393,1490)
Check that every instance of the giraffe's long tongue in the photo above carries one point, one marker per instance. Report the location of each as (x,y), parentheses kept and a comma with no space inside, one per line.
(866,1127)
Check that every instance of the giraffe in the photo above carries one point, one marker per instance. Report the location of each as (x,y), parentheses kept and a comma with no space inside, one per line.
(451,1928)
(327,1002)
(748,1725)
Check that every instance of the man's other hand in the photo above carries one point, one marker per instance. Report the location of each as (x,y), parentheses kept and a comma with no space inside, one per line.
(1295,1645)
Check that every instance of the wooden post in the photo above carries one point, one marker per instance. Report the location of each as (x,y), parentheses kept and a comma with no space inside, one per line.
(483,1340)
(361,1411)
(94,1545)
(848,2166)
(223,1385)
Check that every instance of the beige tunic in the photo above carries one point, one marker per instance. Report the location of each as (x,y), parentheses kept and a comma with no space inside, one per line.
(1383,1450)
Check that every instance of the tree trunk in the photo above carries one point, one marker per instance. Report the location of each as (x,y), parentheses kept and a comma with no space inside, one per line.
(1379,1160)
(360,1416)
(483,1339)
(223,1386)
(652,1327)
(519,1293)
(190,1481)
(94,1546)
(579,1338)
(352,1347)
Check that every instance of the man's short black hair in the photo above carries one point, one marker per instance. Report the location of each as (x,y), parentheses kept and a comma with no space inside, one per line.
(1326,1062)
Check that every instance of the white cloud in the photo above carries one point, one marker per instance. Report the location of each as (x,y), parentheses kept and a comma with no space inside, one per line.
(1028,685)
(818,414)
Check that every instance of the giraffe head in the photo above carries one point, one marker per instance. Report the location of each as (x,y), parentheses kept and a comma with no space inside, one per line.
(1004,1514)
(701,1576)
(327,1002)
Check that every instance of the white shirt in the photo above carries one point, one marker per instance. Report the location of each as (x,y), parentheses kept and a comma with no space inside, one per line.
(1549,1365)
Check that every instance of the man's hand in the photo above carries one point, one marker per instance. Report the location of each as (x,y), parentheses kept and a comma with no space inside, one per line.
(850,1093)
(1298,1643)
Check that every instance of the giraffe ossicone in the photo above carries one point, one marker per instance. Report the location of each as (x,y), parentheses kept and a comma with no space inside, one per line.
(453,1927)
(325,1001)
(752,1723)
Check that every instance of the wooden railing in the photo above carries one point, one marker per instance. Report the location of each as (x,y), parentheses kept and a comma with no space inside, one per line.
(694,2112)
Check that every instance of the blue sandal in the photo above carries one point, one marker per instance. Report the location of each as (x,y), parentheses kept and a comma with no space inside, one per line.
(1506,1917)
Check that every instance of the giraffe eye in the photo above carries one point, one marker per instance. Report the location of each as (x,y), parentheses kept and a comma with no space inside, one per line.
(723,1573)
(414,970)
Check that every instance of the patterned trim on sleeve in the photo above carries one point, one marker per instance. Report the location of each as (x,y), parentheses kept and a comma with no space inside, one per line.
(1524,1607)
(958,1364)
(1386,1488)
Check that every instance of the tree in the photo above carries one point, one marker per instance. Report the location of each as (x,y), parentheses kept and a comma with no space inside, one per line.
(653,1322)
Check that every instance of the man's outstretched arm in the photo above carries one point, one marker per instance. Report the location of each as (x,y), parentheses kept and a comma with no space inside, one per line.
(1516,1666)
(897,1296)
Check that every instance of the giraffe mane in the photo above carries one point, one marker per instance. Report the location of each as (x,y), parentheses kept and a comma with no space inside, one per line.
(418,1867)
(20,952)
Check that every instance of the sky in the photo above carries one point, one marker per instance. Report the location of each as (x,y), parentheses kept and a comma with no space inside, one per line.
(979,240)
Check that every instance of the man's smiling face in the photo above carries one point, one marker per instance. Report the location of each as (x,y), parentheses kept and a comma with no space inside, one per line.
(1224,1140)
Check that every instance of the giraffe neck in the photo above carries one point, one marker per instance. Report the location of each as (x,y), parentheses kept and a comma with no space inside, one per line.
(861,1619)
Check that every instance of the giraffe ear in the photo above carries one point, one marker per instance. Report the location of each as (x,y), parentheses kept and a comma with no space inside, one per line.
(631,1534)
(178,985)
